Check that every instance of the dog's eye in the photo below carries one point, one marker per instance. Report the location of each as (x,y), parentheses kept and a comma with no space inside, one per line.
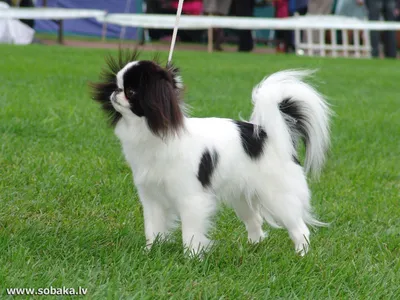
(129,93)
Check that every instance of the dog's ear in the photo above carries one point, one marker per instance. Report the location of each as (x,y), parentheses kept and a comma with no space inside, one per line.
(161,104)
(176,76)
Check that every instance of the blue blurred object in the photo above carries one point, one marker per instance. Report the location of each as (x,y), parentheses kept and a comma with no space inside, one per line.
(350,8)
(295,5)
(266,11)
(90,27)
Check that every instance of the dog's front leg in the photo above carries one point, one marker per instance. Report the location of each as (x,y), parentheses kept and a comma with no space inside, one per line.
(195,213)
(156,218)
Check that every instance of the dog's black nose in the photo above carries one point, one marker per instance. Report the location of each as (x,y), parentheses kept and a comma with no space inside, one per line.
(118,90)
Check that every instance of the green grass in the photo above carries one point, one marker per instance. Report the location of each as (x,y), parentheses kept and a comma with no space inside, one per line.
(69,214)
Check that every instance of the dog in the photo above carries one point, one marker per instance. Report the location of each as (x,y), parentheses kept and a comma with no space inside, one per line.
(182,167)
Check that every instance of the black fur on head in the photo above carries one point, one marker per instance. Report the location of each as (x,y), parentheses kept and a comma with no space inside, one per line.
(152,91)
(101,91)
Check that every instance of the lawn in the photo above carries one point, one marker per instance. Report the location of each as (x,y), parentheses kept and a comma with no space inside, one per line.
(69,214)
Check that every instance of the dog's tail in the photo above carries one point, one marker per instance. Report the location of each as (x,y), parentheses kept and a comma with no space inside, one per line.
(291,109)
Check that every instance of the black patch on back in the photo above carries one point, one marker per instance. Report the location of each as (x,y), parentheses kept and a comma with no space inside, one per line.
(253,144)
(207,166)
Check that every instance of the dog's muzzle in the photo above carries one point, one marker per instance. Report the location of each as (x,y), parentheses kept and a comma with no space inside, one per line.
(114,95)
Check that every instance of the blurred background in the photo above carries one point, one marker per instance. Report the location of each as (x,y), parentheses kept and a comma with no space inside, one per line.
(89,31)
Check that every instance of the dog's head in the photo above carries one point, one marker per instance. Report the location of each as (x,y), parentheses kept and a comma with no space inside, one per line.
(132,88)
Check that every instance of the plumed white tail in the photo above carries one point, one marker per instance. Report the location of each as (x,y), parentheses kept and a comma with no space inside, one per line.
(290,109)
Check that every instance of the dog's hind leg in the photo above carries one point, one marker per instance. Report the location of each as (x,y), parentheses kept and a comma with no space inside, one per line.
(300,235)
(295,214)
(251,219)
(288,210)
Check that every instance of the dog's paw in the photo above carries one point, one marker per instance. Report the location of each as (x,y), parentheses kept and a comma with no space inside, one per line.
(148,247)
(257,237)
(302,249)
(199,251)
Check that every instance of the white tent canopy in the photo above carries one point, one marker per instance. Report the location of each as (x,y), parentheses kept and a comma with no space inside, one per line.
(14,31)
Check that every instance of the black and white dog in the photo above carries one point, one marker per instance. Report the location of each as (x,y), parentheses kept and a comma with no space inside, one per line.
(182,166)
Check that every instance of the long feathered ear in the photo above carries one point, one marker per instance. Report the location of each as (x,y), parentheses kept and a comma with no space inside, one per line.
(178,86)
(102,91)
(176,76)
(161,105)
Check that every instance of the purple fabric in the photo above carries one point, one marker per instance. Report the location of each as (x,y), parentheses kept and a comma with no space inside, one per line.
(89,26)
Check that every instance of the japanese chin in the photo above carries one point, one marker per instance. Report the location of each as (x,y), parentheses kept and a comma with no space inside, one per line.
(182,167)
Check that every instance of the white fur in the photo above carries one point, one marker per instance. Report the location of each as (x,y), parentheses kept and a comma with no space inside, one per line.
(289,84)
(272,188)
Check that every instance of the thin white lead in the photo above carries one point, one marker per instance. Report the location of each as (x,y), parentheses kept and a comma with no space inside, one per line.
(178,16)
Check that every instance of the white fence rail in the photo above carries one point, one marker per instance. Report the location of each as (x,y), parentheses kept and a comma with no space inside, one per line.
(50,13)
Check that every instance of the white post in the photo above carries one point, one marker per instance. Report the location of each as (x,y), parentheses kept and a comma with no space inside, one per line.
(367,43)
(322,41)
(309,42)
(356,35)
(333,42)
(345,40)
(297,42)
